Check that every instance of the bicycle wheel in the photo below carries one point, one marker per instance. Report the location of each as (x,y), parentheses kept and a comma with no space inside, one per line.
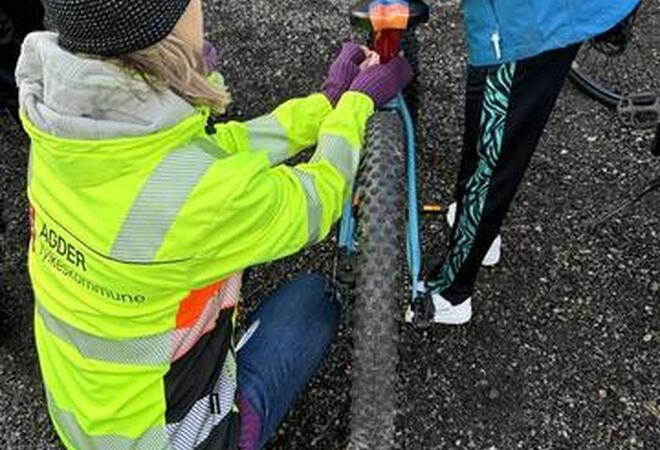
(622,62)
(378,286)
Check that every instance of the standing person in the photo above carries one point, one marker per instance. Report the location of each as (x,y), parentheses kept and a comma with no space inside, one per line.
(142,224)
(16,21)
(520,54)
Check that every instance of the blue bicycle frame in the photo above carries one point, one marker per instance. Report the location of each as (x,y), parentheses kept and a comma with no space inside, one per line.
(348,225)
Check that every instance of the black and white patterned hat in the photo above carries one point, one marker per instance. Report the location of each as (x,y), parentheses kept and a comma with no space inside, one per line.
(113,27)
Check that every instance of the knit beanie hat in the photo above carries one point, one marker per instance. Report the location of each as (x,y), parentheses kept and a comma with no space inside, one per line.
(113,27)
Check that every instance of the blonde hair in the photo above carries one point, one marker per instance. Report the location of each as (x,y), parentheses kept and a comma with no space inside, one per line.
(173,64)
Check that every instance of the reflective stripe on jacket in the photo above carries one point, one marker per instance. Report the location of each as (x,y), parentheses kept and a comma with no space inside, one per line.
(138,243)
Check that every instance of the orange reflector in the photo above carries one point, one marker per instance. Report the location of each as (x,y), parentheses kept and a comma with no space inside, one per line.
(432,209)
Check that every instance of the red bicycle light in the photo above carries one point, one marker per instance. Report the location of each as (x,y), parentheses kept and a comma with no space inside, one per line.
(389,15)
(387,44)
(389,19)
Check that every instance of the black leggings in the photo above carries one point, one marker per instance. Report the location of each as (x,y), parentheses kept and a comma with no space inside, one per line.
(506,111)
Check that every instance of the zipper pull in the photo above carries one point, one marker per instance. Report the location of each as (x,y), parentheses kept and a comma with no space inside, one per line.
(495,39)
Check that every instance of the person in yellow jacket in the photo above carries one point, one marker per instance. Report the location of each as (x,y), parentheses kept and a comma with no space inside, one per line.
(144,217)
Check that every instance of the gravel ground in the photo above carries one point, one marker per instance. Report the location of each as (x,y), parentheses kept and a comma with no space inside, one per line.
(563,351)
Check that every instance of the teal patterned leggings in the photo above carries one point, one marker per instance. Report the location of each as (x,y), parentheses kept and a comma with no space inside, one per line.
(507,108)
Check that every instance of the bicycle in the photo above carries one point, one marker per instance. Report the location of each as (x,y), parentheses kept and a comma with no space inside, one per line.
(621,70)
(371,237)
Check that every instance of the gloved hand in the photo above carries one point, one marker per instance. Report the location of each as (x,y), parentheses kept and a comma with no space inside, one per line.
(384,81)
(211,57)
(343,71)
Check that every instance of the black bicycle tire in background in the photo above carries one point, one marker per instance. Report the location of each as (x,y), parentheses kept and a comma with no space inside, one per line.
(379,285)
(593,88)
(609,72)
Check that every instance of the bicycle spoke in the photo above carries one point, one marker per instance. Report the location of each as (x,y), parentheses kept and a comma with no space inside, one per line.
(591,55)
(608,67)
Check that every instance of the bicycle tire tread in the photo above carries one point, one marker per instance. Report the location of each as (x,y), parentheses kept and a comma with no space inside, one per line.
(379,266)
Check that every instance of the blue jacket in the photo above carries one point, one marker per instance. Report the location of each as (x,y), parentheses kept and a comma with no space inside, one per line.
(500,31)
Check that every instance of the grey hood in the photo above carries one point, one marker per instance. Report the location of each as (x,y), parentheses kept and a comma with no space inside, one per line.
(78,97)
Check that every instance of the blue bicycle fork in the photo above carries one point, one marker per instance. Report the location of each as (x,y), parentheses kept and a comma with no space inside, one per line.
(348,224)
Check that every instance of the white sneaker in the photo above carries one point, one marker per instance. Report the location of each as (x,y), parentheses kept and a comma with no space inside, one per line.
(446,313)
(494,254)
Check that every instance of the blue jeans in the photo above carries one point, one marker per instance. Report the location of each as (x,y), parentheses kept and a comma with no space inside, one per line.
(287,339)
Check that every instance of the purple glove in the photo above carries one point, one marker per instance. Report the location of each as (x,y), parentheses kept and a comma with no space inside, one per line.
(383,82)
(210,56)
(343,71)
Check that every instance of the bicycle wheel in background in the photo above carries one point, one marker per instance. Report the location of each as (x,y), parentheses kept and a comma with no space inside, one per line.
(623,62)
(379,285)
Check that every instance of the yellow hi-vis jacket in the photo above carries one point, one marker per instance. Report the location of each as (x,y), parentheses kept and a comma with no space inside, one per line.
(138,244)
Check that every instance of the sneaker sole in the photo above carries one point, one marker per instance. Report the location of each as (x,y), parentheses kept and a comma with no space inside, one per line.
(443,320)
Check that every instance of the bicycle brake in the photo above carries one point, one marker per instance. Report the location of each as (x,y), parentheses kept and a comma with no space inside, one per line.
(640,110)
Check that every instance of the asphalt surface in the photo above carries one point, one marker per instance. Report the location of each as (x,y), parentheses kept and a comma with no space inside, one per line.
(563,352)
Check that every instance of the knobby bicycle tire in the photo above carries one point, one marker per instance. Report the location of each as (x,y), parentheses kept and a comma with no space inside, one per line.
(379,285)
